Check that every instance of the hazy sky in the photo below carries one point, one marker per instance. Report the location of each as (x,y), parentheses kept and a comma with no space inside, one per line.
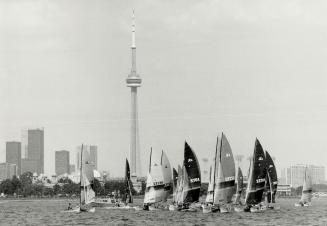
(248,68)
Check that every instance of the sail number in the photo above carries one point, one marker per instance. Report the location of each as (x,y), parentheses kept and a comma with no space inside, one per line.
(229,178)
(158,183)
(195,180)
(260,180)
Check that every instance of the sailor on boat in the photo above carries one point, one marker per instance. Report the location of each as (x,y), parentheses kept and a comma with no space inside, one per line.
(69,206)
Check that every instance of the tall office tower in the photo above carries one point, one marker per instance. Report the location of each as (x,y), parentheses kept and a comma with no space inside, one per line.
(13,154)
(33,142)
(134,81)
(7,170)
(62,162)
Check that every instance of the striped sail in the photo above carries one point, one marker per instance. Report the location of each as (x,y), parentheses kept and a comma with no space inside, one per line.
(257,176)
(307,187)
(225,180)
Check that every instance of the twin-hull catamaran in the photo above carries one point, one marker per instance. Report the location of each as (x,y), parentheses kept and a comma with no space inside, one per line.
(306,190)
(256,179)
(222,179)
(271,182)
(87,195)
(158,183)
(190,181)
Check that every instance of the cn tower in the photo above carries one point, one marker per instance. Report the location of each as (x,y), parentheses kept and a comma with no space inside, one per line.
(134,81)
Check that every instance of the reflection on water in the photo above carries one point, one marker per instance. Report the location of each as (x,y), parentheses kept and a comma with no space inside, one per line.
(48,212)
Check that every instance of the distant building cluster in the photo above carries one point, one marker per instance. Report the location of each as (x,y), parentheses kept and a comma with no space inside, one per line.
(294,175)
(27,155)
(23,156)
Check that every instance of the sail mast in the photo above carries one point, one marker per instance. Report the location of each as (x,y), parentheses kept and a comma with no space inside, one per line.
(214,172)
(80,187)
(150,160)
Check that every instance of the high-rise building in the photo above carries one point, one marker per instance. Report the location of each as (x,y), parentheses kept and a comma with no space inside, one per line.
(295,174)
(13,154)
(62,162)
(7,170)
(71,168)
(33,142)
(134,81)
(29,165)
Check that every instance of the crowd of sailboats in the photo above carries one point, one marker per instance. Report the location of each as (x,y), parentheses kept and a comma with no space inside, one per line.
(226,191)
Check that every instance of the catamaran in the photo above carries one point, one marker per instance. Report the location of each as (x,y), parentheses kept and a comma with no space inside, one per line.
(128,197)
(271,182)
(178,189)
(306,190)
(175,179)
(158,183)
(188,183)
(256,179)
(223,183)
(239,187)
(87,195)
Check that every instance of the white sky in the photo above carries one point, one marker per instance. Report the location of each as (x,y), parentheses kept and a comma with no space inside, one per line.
(248,68)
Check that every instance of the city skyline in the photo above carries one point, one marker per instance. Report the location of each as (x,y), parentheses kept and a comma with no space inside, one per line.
(263,76)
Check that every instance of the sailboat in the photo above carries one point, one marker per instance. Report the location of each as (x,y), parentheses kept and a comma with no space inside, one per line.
(256,179)
(224,188)
(239,186)
(188,183)
(306,190)
(175,179)
(209,197)
(87,195)
(158,182)
(128,197)
(178,190)
(271,181)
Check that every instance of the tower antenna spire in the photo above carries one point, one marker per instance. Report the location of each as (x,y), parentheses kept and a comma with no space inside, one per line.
(133,30)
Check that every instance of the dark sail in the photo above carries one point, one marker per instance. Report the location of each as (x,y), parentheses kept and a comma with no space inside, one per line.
(192,167)
(272,179)
(257,176)
(175,177)
(128,185)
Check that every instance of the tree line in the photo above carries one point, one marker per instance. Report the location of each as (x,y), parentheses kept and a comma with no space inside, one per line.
(23,186)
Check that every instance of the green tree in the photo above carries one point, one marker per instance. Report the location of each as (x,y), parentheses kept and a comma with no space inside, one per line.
(6,187)
(56,189)
(17,184)
(26,178)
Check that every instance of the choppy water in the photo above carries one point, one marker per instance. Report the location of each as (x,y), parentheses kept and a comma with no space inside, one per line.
(48,212)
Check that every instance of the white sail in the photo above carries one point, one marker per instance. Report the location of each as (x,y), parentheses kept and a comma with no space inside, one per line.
(159,176)
(87,193)
(209,197)
(184,187)
(307,187)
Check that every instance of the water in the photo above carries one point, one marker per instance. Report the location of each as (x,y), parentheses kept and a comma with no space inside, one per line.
(48,212)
